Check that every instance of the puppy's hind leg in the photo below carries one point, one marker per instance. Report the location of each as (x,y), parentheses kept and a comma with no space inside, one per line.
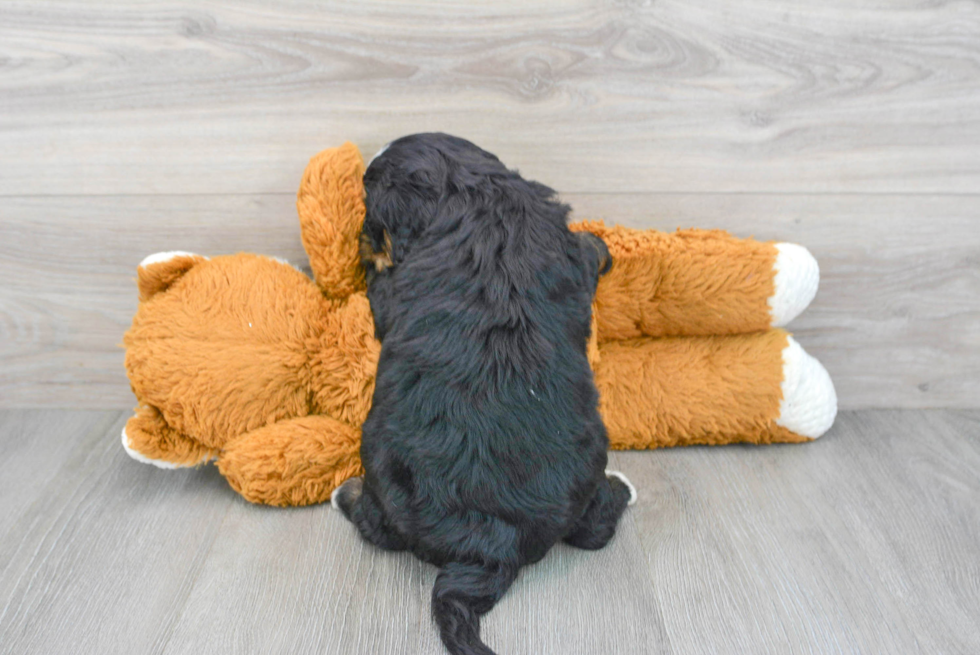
(362,509)
(597,525)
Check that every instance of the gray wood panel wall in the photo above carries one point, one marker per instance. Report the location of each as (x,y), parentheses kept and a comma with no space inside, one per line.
(850,127)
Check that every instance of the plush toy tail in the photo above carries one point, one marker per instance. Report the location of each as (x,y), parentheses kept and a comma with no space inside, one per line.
(698,282)
(676,391)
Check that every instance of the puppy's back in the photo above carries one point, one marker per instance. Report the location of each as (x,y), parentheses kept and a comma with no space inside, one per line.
(484,441)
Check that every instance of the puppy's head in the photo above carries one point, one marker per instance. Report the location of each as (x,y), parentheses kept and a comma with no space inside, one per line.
(464,208)
(417,181)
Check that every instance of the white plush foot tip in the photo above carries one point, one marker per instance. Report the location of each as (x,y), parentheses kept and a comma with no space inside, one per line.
(333,498)
(140,457)
(809,404)
(622,478)
(797,279)
(159,463)
(158,257)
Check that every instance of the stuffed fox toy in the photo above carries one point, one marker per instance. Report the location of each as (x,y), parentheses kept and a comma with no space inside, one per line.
(246,361)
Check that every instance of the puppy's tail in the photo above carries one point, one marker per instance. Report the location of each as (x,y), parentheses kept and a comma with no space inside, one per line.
(464,592)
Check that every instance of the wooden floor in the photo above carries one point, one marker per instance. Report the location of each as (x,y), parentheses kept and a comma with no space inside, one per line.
(865,541)
(850,126)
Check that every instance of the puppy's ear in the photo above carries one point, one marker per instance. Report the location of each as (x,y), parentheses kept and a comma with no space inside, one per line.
(596,253)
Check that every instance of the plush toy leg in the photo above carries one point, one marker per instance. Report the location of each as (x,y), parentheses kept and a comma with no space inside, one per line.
(293,462)
(698,282)
(160,270)
(147,438)
(758,388)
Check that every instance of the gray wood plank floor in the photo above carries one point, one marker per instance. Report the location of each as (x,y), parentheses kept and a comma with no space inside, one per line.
(865,541)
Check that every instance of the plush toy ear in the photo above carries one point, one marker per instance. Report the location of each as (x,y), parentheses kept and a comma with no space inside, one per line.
(330,203)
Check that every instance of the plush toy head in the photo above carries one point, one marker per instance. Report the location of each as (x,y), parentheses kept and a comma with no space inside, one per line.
(231,358)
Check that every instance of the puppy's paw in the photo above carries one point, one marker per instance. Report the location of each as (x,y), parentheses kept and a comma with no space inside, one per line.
(629,485)
(344,496)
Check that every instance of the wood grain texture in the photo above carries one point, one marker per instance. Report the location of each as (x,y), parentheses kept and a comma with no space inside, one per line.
(159,97)
(861,542)
(896,322)
(103,557)
(34,448)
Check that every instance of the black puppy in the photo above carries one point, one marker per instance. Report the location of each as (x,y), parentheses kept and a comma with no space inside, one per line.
(484,446)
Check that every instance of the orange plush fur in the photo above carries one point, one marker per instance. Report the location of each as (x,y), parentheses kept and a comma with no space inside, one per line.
(245,360)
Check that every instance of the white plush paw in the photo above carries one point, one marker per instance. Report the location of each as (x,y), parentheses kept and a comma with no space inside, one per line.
(166,256)
(809,404)
(140,457)
(797,279)
(622,478)
(159,463)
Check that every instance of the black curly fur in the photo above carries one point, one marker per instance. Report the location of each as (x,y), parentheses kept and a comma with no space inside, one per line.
(484,446)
